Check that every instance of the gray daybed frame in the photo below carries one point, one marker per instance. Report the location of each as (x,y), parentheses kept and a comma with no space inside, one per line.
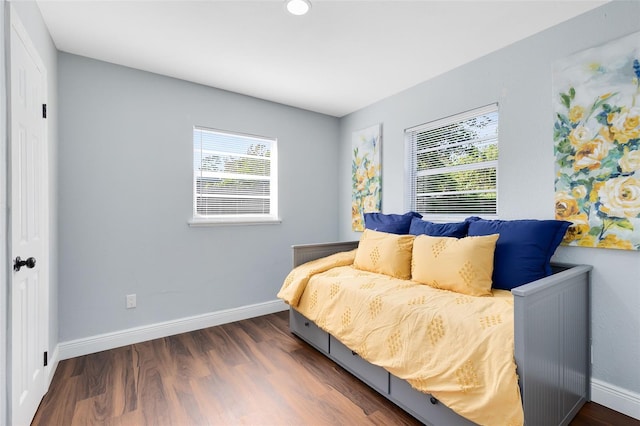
(552,347)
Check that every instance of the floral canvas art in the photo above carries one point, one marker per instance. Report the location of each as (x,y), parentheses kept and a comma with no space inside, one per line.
(596,100)
(366,175)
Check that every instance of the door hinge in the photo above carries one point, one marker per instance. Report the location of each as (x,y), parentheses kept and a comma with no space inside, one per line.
(46,361)
(44,110)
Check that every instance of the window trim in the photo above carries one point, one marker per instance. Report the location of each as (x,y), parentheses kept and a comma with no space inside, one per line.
(239,219)
(231,221)
(410,159)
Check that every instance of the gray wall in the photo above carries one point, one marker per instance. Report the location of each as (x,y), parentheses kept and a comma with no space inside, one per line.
(126,195)
(519,78)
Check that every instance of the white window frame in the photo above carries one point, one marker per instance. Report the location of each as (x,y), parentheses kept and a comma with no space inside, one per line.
(411,173)
(236,219)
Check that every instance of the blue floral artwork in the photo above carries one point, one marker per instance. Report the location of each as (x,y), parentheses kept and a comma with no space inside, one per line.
(596,101)
(366,175)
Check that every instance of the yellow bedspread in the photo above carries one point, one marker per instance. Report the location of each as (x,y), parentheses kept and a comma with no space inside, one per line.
(458,348)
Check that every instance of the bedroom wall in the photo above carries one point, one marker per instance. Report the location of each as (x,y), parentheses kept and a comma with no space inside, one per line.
(126,195)
(518,77)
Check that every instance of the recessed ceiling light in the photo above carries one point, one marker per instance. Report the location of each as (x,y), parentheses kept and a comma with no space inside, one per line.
(298,7)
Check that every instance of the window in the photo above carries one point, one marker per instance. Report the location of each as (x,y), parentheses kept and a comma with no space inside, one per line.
(453,165)
(234,177)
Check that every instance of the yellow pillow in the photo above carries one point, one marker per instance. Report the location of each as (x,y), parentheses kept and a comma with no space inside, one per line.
(462,265)
(384,253)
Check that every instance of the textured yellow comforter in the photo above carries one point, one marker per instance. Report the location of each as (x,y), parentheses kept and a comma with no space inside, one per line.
(457,348)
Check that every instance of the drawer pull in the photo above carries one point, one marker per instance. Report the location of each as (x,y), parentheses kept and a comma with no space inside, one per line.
(433,400)
(306,323)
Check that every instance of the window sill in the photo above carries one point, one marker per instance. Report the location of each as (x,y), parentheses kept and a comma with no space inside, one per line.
(198,222)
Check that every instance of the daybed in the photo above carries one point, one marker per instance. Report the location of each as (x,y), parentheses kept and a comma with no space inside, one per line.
(551,340)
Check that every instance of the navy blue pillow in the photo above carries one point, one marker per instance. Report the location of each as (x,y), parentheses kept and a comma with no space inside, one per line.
(391,223)
(454,229)
(524,248)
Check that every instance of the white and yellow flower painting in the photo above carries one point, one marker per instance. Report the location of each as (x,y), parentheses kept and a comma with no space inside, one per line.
(596,101)
(365,167)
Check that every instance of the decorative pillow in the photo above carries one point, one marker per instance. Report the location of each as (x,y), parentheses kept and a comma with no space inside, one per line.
(463,265)
(455,229)
(524,249)
(392,223)
(385,253)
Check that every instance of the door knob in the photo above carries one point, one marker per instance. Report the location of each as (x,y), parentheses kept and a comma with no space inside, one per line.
(19,263)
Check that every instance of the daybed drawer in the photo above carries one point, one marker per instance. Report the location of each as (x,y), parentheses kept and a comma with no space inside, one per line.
(308,331)
(374,376)
(420,405)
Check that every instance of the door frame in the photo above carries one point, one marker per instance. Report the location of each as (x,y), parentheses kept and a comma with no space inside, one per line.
(4,241)
(15,23)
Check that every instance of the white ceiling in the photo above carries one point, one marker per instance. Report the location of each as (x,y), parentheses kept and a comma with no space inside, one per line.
(342,56)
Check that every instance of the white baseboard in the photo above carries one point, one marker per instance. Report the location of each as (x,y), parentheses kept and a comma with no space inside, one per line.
(129,336)
(618,399)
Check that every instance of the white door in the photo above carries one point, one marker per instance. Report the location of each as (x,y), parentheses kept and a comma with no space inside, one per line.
(28,227)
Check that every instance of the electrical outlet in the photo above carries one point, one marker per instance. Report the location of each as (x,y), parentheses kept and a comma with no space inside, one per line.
(131,301)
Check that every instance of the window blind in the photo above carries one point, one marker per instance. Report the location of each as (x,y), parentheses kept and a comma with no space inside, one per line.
(234,175)
(453,165)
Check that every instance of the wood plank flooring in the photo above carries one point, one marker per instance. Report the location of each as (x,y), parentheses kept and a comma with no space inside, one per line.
(251,372)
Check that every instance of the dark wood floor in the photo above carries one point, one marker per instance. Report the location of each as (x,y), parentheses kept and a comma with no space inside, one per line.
(249,372)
